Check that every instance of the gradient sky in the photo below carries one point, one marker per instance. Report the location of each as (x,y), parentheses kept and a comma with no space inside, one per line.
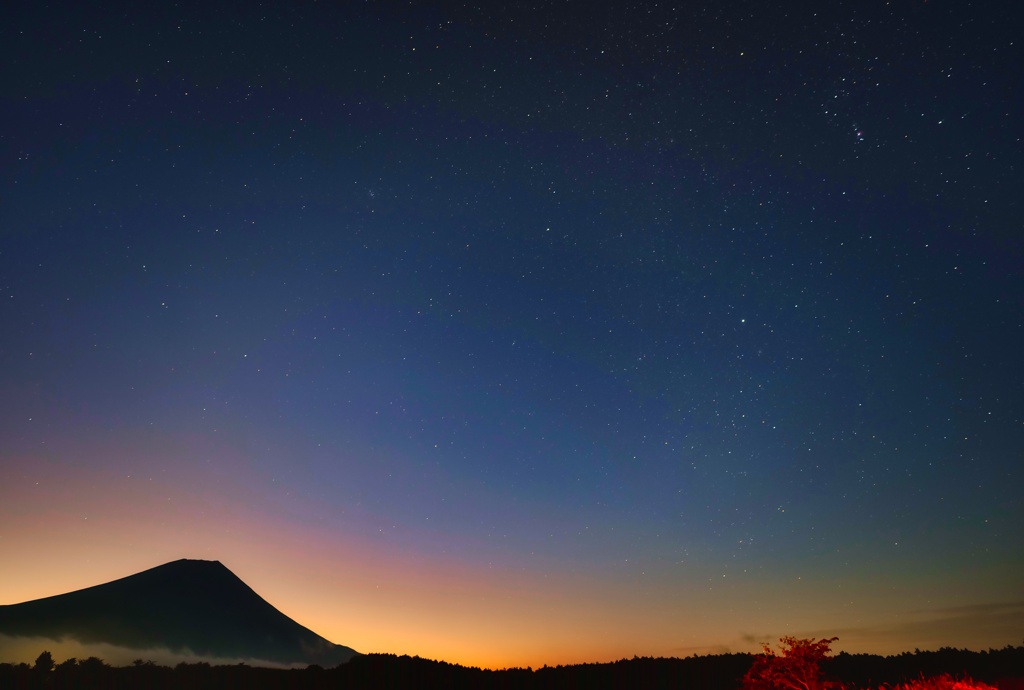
(554,334)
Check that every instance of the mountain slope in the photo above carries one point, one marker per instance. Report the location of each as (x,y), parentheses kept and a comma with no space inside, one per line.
(187,606)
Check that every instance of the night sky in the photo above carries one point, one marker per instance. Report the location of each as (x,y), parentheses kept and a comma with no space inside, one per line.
(546,333)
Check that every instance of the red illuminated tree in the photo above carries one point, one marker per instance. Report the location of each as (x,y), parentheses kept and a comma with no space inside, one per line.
(796,666)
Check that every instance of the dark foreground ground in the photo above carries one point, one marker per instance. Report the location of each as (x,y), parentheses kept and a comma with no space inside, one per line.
(1003,668)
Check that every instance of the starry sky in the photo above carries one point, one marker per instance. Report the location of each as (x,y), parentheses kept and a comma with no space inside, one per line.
(522,333)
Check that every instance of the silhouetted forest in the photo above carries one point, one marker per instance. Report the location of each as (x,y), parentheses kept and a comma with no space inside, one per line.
(1003,668)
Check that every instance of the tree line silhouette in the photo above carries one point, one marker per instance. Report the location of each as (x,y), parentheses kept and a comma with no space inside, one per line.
(798,665)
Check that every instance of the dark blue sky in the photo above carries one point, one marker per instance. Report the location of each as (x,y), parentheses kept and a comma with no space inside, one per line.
(649,296)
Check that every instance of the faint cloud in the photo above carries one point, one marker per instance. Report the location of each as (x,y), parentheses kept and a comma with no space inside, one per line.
(1015,608)
(25,649)
(700,650)
(973,626)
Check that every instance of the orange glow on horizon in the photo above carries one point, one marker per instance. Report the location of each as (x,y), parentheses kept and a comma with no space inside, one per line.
(380,595)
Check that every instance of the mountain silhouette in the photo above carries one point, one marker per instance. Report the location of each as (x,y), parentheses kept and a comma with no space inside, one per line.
(187,606)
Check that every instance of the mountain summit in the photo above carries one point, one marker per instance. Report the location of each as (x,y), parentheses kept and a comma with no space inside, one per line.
(187,606)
